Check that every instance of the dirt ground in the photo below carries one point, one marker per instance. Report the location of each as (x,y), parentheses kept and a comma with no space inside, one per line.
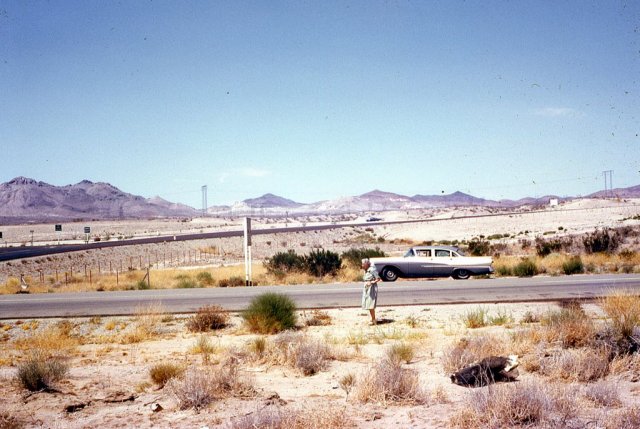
(110,385)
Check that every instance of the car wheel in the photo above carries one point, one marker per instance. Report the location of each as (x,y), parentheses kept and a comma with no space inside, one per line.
(389,275)
(461,274)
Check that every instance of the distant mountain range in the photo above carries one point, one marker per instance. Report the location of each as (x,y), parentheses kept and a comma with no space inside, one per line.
(23,199)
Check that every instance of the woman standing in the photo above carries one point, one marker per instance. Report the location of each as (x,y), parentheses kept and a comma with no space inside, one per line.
(370,291)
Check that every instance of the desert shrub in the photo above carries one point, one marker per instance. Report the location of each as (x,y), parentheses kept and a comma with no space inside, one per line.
(623,310)
(296,351)
(505,406)
(530,317)
(40,372)
(400,352)
(209,317)
(347,382)
(284,262)
(469,350)
(504,270)
(233,281)
(258,347)
(628,418)
(161,373)
(525,268)
(576,365)
(270,313)
(199,387)
(322,262)
(546,247)
(354,257)
(479,247)
(186,282)
(205,278)
(387,382)
(143,285)
(573,266)
(476,318)
(317,318)
(571,326)
(502,317)
(603,393)
(628,254)
(601,240)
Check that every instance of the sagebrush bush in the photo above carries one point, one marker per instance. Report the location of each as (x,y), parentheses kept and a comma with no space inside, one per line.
(322,262)
(573,266)
(161,373)
(297,351)
(546,247)
(354,257)
(401,352)
(233,281)
(469,350)
(479,247)
(186,282)
(270,313)
(284,262)
(205,278)
(208,318)
(40,372)
(571,326)
(601,240)
(576,365)
(623,310)
(526,268)
(387,382)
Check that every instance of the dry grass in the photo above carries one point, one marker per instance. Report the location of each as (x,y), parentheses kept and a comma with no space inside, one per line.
(199,387)
(576,365)
(161,373)
(40,371)
(469,350)
(623,309)
(603,393)
(623,419)
(208,318)
(146,326)
(53,340)
(387,382)
(401,352)
(316,318)
(526,404)
(302,417)
(554,263)
(571,326)
(297,351)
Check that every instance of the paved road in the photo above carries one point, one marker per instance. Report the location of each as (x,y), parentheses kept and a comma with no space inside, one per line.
(428,292)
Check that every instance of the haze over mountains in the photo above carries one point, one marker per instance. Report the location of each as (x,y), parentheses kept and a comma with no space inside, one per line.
(23,199)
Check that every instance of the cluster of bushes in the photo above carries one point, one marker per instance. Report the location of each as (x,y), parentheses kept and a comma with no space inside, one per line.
(318,262)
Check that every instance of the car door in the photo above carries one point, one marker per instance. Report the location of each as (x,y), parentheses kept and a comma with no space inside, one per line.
(420,265)
(442,263)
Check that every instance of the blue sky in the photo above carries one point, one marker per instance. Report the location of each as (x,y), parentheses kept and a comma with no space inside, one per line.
(314,100)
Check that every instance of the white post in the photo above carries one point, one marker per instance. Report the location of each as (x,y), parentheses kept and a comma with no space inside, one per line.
(247,250)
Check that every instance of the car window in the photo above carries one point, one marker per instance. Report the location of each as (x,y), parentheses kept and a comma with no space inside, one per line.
(424,253)
(454,254)
(443,253)
(409,253)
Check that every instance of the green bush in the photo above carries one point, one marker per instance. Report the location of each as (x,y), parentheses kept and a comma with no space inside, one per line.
(479,247)
(142,285)
(354,257)
(270,313)
(284,262)
(186,282)
(605,240)
(525,268)
(205,278)
(322,262)
(39,372)
(573,266)
(546,247)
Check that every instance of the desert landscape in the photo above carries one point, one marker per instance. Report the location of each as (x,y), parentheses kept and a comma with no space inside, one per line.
(578,365)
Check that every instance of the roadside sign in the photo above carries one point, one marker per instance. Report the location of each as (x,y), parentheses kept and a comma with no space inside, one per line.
(58,227)
(0,234)
(87,229)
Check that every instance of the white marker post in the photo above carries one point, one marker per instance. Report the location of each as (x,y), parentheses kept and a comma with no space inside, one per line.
(247,251)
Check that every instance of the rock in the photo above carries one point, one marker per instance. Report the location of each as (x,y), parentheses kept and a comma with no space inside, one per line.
(155,407)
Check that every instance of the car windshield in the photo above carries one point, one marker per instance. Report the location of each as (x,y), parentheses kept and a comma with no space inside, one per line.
(409,253)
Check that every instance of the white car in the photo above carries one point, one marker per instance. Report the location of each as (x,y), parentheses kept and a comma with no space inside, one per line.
(432,261)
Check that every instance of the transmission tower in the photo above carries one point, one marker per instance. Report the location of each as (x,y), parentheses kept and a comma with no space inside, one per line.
(204,200)
(608,187)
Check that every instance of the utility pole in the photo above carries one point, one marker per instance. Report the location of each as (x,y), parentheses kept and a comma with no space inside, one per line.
(204,200)
(608,190)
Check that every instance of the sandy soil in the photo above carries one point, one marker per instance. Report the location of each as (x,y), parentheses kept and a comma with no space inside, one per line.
(113,382)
